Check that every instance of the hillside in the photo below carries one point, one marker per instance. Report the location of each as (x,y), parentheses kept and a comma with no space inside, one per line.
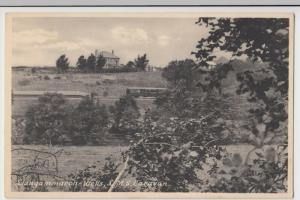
(110,84)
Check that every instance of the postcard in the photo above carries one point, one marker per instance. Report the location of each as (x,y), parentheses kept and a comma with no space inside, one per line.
(149,105)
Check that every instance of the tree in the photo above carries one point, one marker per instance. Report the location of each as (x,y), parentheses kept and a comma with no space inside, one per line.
(91,63)
(46,121)
(181,70)
(261,40)
(89,122)
(141,62)
(126,116)
(62,63)
(264,40)
(130,66)
(100,63)
(81,63)
(173,148)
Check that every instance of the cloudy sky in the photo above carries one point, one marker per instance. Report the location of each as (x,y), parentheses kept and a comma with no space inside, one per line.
(40,41)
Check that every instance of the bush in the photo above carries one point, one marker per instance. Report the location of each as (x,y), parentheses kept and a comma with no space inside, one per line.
(88,123)
(105,93)
(24,82)
(108,82)
(46,77)
(33,70)
(45,122)
(126,116)
(55,121)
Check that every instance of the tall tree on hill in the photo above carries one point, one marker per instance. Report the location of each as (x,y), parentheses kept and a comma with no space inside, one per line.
(81,63)
(130,66)
(180,70)
(141,62)
(100,63)
(91,63)
(62,63)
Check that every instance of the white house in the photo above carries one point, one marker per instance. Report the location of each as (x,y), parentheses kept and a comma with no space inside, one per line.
(111,59)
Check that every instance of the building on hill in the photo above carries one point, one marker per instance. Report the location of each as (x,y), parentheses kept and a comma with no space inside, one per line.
(112,60)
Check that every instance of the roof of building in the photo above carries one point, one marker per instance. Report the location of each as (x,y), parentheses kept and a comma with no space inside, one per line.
(107,54)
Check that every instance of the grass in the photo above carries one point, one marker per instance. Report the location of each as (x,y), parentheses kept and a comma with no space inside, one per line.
(74,158)
(71,159)
(104,85)
(113,83)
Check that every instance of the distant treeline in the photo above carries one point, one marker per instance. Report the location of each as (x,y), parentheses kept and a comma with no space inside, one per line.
(95,64)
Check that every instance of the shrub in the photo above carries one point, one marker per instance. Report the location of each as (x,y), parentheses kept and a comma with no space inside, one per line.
(33,70)
(53,120)
(126,116)
(105,93)
(45,122)
(107,81)
(46,77)
(88,122)
(24,82)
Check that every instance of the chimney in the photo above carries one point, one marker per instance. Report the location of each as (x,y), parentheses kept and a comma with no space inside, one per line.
(112,51)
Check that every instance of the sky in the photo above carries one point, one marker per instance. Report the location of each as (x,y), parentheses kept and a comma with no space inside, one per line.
(39,41)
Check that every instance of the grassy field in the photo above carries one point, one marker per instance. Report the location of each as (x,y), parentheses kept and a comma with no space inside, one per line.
(70,158)
(113,84)
(104,85)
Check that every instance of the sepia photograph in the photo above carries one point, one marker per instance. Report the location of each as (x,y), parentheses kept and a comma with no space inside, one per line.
(149,104)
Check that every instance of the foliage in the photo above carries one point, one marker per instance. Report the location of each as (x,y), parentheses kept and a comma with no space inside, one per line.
(173,146)
(212,78)
(264,175)
(81,63)
(180,71)
(45,121)
(95,64)
(125,116)
(88,123)
(172,152)
(62,63)
(182,136)
(100,63)
(55,121)
(97,180)
(262,40)
(184,99)
(24,82)
(18,129)
(130,66)
(91,63)
(259,39)
(141,62)
(120,69)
